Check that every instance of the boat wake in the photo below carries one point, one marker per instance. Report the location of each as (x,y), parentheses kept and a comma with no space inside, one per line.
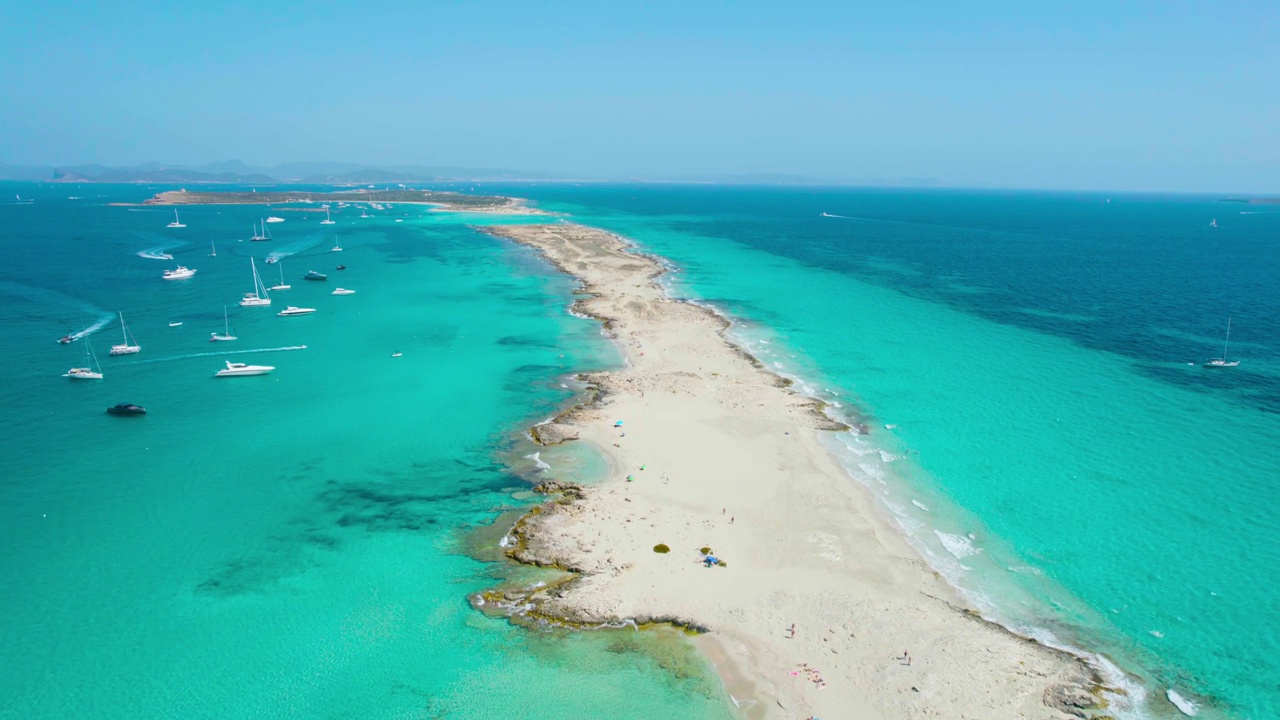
(158,253)
(841,217)
(95,327)
(215,354)
(44,299)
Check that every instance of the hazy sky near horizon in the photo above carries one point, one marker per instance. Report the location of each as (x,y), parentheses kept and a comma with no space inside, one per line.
(1094,95)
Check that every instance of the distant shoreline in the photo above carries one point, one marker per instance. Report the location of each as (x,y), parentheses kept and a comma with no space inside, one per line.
(441,201)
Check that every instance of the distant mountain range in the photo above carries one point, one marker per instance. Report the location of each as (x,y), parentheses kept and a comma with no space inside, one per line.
(234,171)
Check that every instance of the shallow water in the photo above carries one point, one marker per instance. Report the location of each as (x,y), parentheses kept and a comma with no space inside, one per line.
(290,545)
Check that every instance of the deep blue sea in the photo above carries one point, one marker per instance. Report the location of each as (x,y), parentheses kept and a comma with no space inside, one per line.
(1027,367)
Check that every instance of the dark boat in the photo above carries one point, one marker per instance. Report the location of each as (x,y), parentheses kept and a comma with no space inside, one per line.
(126,409)
(65,339)
(342,267)
(313,275)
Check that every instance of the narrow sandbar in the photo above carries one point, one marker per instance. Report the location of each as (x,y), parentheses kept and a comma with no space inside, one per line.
(714,451)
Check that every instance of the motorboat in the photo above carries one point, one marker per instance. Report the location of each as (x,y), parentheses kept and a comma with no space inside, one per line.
(180,273)
(291,310)
(341,267)
(176,324)
(313,275)
(242,369)
(65,339)
(126,409)
(271,260)
(274,219)
(92,371)
(130,344)
(343,291)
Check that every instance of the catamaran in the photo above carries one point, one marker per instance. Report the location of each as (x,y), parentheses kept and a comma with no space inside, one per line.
(93,371)
(337,246)
(125,348)
(226,335)
(1222,362)
(259,296)
(176,222)
(282,285)
(327,219)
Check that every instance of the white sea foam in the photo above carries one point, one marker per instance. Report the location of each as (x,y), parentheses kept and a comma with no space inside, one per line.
(1185,706)
(919,504)
(959,546)
(537,460)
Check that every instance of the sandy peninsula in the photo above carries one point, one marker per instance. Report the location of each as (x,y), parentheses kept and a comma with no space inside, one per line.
(439,201)
(711,450)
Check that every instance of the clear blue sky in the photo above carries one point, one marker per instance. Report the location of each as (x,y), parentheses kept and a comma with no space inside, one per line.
(1106,95)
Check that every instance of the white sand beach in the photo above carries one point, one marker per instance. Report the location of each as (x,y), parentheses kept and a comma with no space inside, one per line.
(710,450)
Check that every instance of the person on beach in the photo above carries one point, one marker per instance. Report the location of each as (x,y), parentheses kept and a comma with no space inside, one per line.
(792,630)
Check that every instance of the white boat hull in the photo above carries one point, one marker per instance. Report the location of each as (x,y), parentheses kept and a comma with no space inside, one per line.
(125,349)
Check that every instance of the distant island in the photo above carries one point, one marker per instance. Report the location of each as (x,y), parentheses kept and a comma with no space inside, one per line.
(451,201)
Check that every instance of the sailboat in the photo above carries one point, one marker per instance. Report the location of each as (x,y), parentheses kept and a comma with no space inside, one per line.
(226,335)
(282,285)
(1213,223)
(176,222)
(337,246)
(259,296)
(327,219)
(1222,362)
(213,249)
(125,348)
(93,371)
(264,236)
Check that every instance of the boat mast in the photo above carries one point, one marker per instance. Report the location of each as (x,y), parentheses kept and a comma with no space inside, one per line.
(1228,341)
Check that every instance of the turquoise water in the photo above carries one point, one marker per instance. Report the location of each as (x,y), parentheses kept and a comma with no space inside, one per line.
(1021,364)
(291,545)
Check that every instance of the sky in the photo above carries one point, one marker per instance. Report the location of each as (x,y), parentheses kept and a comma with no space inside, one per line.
(1158,96)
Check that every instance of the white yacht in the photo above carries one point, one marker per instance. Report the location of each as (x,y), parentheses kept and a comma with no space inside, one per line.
(226,335)
(343,291)
(126,347)
(274,219)
(259,296)
(181,273)
(176,222)
(239,369)
(328,220)
(92,371)
(291,310)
